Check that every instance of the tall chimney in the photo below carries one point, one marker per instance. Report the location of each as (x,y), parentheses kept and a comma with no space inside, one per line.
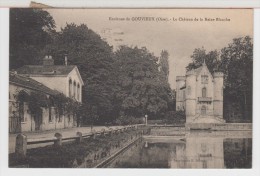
(47,60)
(66,59)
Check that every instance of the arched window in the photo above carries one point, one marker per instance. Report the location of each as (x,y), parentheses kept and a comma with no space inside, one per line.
(203,110)
(204,92)
(70,88)
(78,92)
(75,89)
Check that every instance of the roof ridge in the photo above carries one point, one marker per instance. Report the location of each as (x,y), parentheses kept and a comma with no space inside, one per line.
(32,84)
(43,70)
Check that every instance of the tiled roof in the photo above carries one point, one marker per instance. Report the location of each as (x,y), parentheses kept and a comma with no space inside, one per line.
(30,83)
(46,70)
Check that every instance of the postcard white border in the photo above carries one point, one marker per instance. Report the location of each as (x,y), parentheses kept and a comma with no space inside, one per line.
(4,64)
(137,3)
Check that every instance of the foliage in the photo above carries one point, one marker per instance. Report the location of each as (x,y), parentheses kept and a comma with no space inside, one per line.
(65,104)
(93,57)
(237,65)
(164,64)
(63,156)
(30,30)
(141,88)
(175,117)
(89,113)
(198,57)
(36,101)
(128,120)
(122,83)
(236,62)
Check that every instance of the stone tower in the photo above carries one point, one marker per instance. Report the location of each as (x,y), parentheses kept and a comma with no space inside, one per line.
(190,101)
(180,102)
(218,94)
(201,95)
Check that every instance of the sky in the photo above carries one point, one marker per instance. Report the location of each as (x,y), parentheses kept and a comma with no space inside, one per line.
(184,30)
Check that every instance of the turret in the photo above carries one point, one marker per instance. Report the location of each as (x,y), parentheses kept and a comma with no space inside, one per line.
(190,96)
(180,82)
(218,94)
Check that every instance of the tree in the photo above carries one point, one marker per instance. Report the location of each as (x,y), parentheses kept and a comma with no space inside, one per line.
(164,64)
(198,57)
(141,87)
(237,65)
(94,58)
(30,30)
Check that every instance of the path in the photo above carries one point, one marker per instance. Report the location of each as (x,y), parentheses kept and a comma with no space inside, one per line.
(68,132)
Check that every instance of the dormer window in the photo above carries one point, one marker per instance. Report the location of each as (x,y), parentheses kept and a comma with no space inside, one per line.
(204,79)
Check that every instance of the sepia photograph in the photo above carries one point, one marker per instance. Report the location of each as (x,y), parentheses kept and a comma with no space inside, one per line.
(130,88)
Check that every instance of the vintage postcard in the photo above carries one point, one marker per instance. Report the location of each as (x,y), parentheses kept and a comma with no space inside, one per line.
(131,88)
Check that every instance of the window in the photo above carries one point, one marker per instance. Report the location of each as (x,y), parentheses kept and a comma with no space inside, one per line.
(203,110)
(75,89)
(50,117)
(78,92)
(189,90)
(204,92)
(70,88)
(204,79)
(52,113)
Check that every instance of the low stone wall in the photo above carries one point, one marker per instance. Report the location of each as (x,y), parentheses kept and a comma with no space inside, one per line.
(167,131)
(87,153)
(219,126)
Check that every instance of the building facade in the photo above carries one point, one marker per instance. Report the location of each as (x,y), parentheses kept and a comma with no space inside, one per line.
(200,95)
(63,78)
(45,80)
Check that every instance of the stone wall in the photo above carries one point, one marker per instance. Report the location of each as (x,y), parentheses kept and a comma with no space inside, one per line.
(220,126)
(85,152)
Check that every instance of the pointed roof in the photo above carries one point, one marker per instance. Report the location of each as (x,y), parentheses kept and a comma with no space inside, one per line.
(198,70)
(55,70)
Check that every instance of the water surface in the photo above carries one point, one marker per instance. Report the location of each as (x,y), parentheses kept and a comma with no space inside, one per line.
(191,150)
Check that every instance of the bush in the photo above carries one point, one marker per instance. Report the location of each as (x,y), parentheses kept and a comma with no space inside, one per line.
(128,120)
(175,117)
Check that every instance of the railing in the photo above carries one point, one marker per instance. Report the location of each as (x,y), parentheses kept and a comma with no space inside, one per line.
(205,99)
(22,141)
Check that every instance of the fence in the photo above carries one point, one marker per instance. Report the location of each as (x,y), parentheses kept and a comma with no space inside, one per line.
(22,142)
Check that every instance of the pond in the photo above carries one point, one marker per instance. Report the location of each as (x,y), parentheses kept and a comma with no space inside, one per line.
(198,149)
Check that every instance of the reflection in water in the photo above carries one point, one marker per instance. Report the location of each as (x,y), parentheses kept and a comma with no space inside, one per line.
(194,150)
